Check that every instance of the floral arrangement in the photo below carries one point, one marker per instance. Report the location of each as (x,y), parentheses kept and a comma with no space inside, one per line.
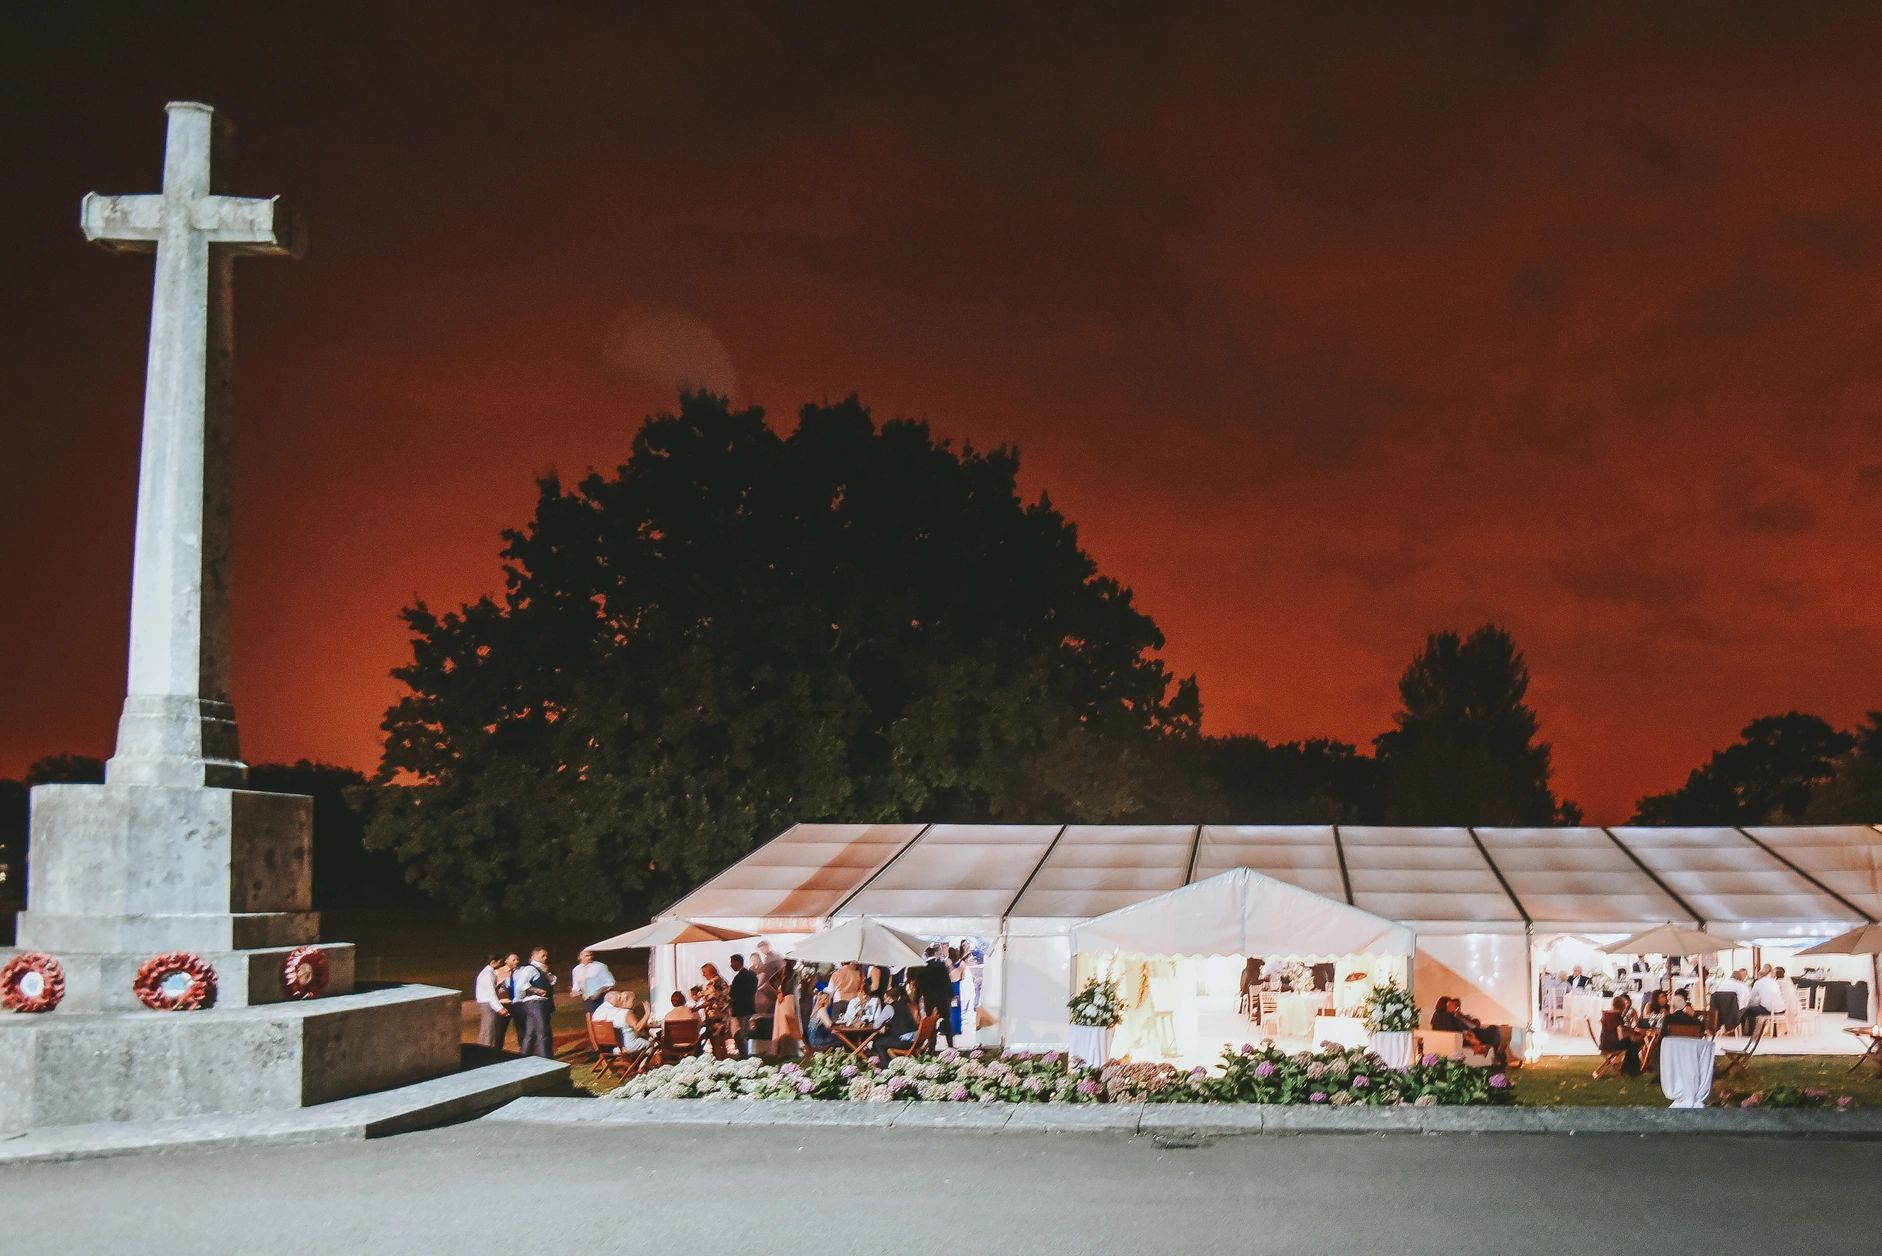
(1788,1097)
(1341,1076)
(1098,1005)
(1336,1076)
(1299,976)
(1390,1009)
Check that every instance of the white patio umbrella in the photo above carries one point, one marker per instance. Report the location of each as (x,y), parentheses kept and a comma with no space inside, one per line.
(1862,940)
(861,941)
(1670,939)
(667,933)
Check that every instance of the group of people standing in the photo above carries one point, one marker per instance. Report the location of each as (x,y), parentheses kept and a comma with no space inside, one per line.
(511,991)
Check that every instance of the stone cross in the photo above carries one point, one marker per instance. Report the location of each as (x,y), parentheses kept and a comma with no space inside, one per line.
(178,727)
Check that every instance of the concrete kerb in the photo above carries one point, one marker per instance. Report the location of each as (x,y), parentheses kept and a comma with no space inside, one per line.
(1200,1120)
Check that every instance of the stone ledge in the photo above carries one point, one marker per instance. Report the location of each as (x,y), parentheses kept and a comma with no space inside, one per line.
(1197,1120)
(440,1101)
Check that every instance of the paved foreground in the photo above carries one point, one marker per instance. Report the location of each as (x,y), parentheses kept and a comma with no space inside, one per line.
(910,1192)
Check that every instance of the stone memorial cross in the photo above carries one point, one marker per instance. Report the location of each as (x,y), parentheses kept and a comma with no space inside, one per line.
(178,727)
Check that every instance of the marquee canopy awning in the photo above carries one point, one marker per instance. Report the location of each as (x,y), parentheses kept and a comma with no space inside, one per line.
(1242,912)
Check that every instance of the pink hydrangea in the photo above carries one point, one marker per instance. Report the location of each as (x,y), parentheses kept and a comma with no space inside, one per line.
(1318,1096)
(1430,1060)
(1088,1087)
(1265,1069)
(1361,1081)
(1499,1081)
(958,1094)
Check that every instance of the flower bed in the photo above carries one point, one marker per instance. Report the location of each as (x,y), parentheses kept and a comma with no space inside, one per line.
(1336,1076)
(1788,1097)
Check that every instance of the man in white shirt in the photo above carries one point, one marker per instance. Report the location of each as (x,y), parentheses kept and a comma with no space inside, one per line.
(493,1015)
(590,980)
(1767,999)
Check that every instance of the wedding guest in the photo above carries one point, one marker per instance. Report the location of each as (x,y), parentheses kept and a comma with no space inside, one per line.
(1767,999)
(590,980)
(1449,1017)
(743,1000)
(532,1002)
(846,986)
(786,1033)
(1578,980)
(822,1029)
(1682,1019)
(493,1014)
(1655,1010)
(1793,1001)
(714,1004)
(680,1013)
(897,1025)
(617,1009)
(1618,1033)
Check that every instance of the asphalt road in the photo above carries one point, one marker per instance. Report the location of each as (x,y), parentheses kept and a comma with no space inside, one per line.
(820,1192)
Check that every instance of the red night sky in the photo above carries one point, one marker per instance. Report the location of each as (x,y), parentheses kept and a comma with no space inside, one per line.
(1327,331)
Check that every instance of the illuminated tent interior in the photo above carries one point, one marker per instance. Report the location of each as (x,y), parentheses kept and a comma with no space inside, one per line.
(1489,907)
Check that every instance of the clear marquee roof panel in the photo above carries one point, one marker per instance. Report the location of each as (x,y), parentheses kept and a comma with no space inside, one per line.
(1578,877)
(1583,879)
(1098,868)
(1726,878)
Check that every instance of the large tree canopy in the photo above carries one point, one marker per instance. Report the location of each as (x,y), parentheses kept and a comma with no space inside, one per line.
(741,628)
(1769,776)
(1464,749)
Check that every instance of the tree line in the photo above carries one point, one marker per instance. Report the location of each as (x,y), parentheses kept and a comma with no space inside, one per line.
(743,627)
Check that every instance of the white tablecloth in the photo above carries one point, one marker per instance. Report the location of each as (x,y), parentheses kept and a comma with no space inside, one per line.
(1091,1044)
(1686,1071)
(1294,1013)
(1395,1048)
(1582,1012)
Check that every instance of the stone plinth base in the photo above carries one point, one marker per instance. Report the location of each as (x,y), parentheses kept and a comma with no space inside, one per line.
(67,1068)
(101,982)
(145,869)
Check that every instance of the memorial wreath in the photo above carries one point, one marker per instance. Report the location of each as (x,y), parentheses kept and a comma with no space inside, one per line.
(176,982)
(32,982)
(305,973)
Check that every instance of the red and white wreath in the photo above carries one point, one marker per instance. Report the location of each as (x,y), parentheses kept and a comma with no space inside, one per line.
(177,982)
(32,982)
(305,972)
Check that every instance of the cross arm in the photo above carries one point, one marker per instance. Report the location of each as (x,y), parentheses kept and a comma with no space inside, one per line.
(250,224)
(123,224)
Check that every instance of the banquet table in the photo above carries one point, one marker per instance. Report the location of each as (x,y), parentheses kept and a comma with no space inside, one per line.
(1686,1071)
(1582,1012)
(1294,1013)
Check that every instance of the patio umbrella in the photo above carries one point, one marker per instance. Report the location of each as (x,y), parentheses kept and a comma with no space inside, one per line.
(862,941)
(1670,939)
(667,933)
(1862,940)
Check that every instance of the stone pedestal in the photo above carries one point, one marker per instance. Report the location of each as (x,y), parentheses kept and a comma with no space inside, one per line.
(68,1068)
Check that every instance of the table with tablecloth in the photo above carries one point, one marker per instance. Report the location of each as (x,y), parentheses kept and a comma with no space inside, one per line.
(1581,1013)
(1686,1071)
(1294,1013)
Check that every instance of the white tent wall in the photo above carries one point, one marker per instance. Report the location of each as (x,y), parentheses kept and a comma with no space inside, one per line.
(1037,976)
(1487,972)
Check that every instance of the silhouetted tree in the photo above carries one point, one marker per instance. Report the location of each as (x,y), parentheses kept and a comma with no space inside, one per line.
(1464,748)
(1318,781)
(741,628)
(66,769)
(12,851)
(1853,794)
(1769,775)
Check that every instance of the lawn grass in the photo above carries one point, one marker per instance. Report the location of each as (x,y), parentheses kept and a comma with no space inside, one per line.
(1566,1081)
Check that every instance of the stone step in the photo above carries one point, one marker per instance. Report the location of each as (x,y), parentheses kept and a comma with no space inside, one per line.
(458,1096)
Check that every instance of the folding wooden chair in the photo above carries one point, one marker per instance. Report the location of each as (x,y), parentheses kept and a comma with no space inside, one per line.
(924,1037)
(1736,1059)
(1611,1061)
(678,1040)
(606,1045)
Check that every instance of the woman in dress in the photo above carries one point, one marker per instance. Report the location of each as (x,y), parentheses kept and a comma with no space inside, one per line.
(822,1029)
(786,1034)
(714,1003)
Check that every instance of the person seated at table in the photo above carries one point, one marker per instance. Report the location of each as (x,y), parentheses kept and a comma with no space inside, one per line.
(714,1003)
(1682,1019)
(821,1031)
(1619,1033)
(1577,979)
(898,1026)
(1449,1017)
(1654,1011)
(1767,999)
(617,1009)
(681,1012)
